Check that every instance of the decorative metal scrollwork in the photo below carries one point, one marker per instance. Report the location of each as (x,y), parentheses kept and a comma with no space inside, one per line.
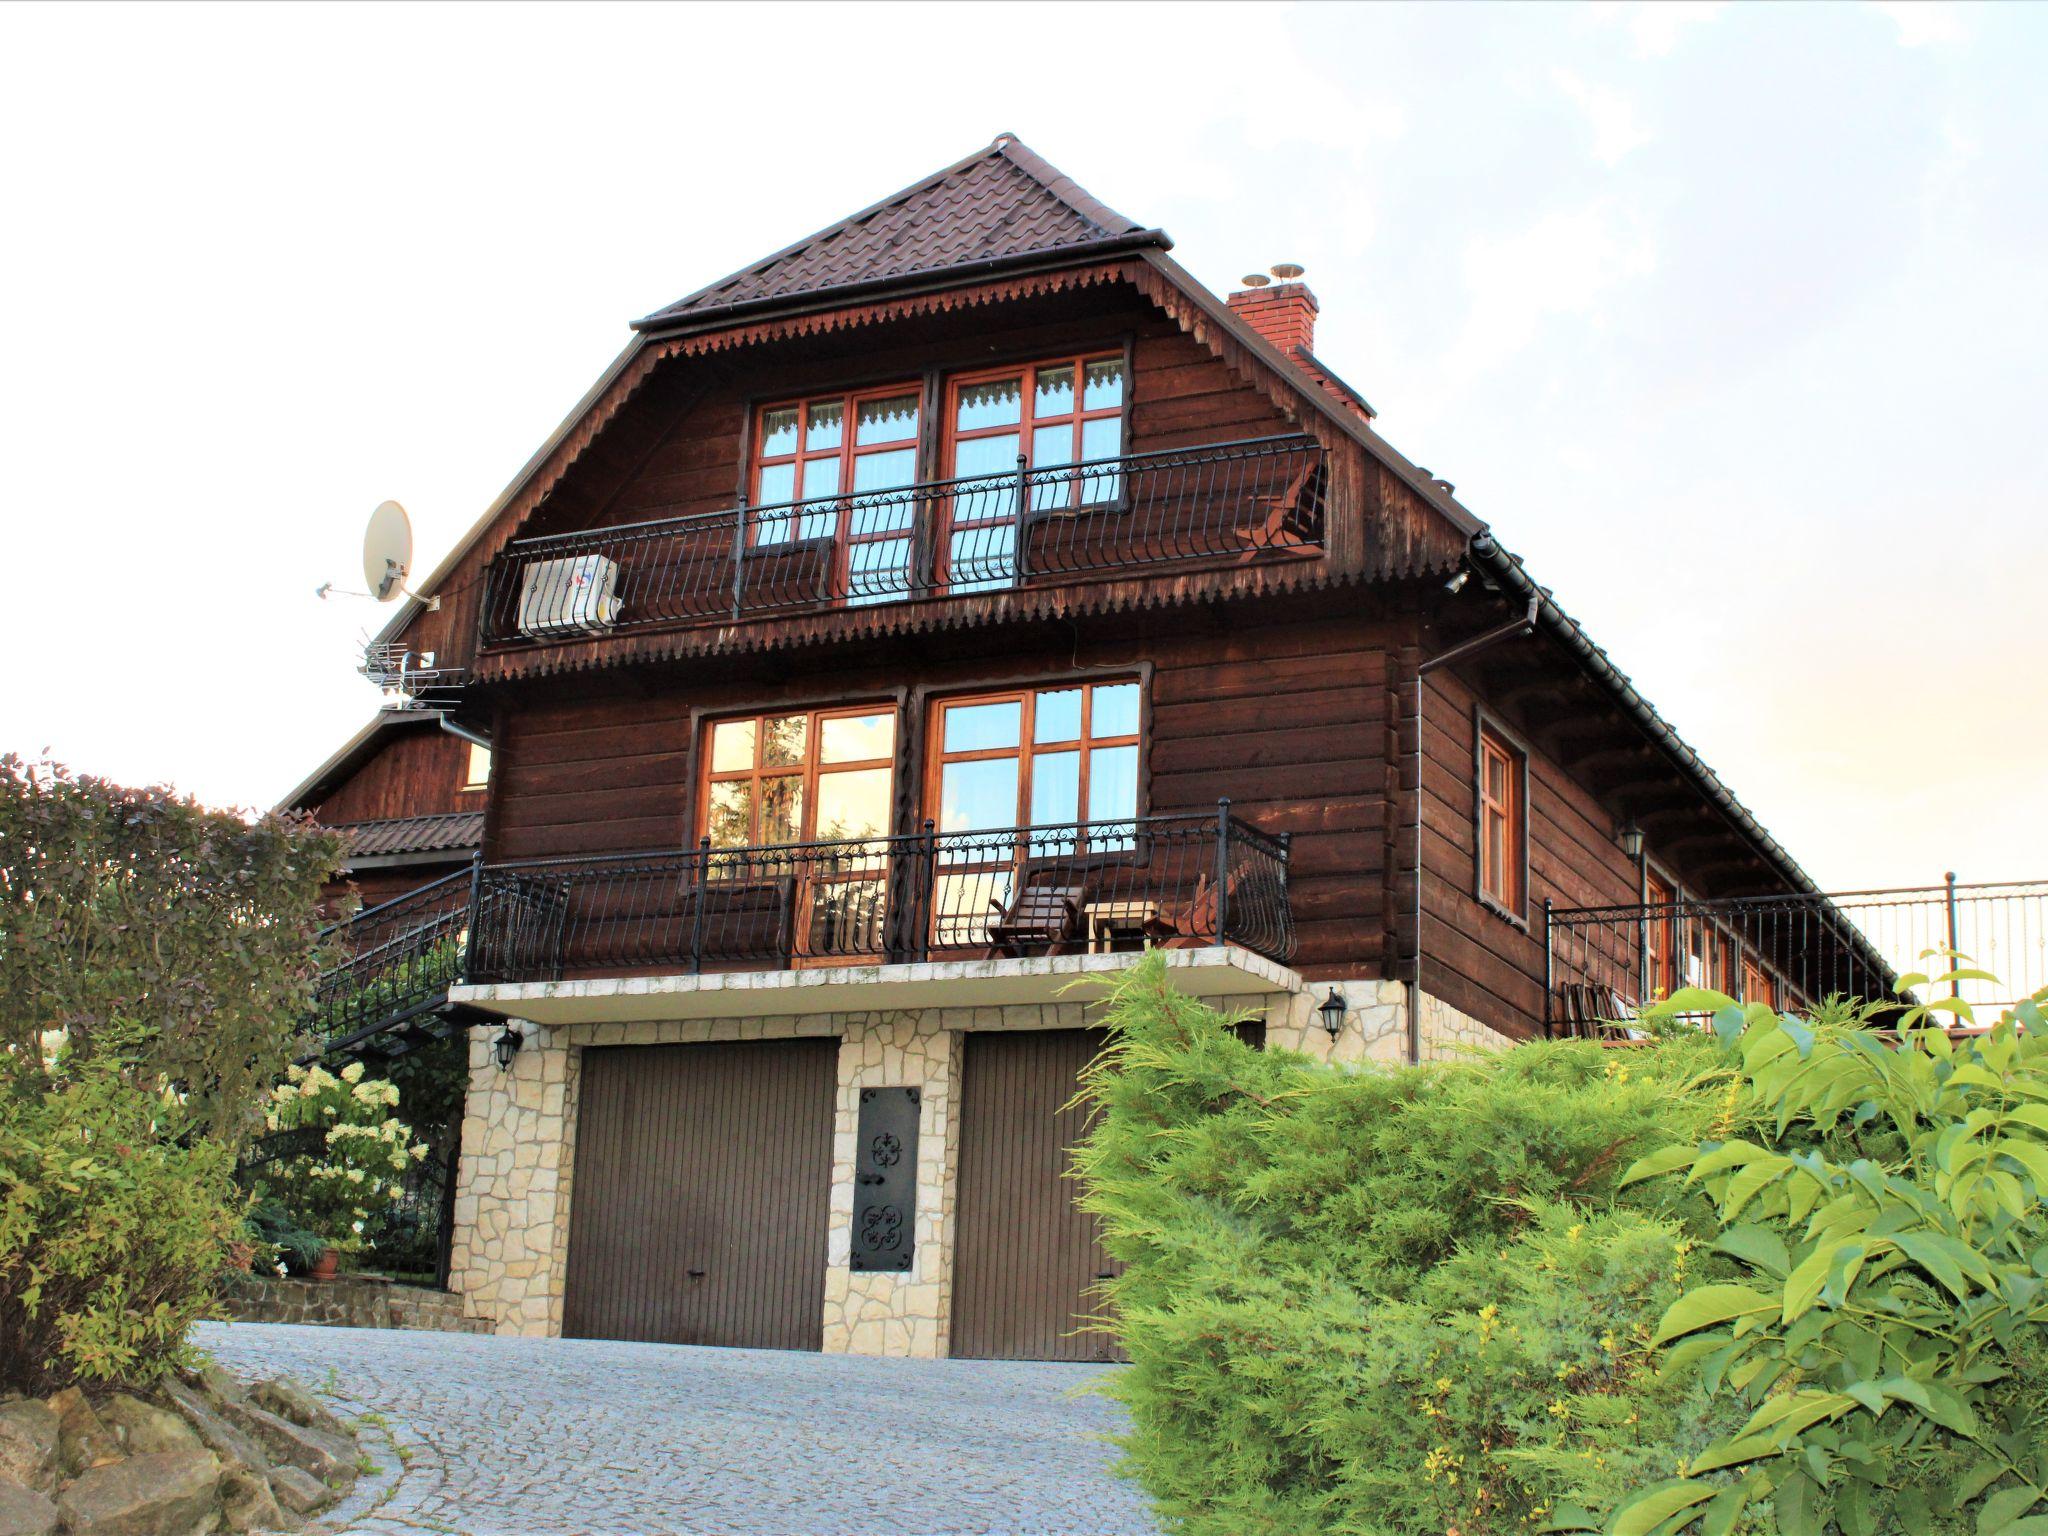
(881,1230)
(886,1150)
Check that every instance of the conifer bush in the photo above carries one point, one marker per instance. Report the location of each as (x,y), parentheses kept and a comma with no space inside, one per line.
(1781,1276)
(1387,1301)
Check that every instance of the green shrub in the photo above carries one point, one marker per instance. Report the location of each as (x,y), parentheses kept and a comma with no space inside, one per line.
(1393,1301)
(139,926)
(1886,1338)
(113,1232)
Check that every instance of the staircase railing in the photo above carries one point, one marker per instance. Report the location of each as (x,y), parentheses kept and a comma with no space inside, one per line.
(400,959)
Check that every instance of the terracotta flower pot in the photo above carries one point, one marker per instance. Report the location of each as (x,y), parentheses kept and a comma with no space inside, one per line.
(326,1266)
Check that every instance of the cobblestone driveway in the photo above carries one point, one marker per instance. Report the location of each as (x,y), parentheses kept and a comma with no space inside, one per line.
(555,1437)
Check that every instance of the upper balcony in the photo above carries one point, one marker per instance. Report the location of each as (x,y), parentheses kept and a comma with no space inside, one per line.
(1219,506)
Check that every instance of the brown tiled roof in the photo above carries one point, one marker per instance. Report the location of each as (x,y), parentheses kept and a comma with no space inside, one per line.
(1000,203)
(452,832)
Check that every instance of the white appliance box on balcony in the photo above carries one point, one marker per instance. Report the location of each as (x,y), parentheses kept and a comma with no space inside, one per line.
(576,594)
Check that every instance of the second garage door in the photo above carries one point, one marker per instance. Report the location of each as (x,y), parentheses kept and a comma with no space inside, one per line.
(1028,1255)
(698,1209)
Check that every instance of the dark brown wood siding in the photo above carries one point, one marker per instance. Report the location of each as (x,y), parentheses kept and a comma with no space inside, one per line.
(1027,1257)
(1477,960)
(699,1206)
(418,771)
(1286,716)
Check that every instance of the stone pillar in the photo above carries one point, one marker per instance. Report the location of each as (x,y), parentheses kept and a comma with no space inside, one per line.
(511,1242)
(906,1313)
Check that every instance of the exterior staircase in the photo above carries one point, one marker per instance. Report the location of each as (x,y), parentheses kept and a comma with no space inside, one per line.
(387,990)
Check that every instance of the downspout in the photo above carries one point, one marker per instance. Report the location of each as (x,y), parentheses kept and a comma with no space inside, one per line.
(1526,624)
(469,734)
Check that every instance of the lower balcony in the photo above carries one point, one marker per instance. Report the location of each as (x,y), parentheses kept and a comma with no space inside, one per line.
(928,919)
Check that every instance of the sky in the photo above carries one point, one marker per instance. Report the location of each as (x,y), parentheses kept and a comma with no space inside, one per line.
(1730,320)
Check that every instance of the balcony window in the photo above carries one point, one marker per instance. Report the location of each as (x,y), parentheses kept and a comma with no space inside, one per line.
(818,777)
(1502,825)
(1069,411)
(1043,758)
(814,482)
(791,778)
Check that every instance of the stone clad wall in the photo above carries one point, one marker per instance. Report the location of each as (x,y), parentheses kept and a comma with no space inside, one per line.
(1448,1034)
(511,1193)
(514,1192)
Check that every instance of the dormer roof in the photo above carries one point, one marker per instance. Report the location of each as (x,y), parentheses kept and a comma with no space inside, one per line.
(997,206)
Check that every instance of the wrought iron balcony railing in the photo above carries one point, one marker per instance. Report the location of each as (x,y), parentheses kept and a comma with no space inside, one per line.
(1234,502)
(1096,886)
(1603,963)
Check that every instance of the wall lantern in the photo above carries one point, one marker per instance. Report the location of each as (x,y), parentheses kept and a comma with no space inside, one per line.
(1632,842)
(506,1046)
(1332,1011)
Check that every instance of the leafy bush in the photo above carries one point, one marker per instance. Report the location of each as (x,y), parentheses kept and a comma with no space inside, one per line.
(136,925)
(1884,1338)
(1394,1301)
(113,1232)
(363,1153)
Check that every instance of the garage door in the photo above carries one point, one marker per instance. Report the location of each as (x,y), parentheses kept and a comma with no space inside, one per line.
(698,1206)
(1027,1255)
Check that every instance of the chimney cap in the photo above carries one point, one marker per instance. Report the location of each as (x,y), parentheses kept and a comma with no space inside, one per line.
(1287,271)
(1256,280)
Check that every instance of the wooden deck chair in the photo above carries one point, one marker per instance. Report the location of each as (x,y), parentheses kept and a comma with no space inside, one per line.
(1038,918)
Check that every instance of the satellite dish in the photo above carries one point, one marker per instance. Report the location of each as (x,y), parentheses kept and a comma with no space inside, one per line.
(387,551)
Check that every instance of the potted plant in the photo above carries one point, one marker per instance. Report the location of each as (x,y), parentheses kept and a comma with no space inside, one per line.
(355,1161)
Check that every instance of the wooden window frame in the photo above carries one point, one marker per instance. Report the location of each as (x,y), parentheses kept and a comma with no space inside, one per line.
(849,453)
(1085,745)
(1025,427)
(1488,732)
(1767,992)
(1661,964)
(809,770)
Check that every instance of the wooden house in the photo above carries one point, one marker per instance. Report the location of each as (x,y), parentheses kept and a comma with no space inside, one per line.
(953,604)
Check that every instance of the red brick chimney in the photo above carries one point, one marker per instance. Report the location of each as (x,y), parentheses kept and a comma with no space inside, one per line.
(1284,313)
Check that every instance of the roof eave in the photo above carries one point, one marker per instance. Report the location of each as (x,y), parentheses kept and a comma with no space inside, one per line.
(1319,399)
(412,607)
(1508,571)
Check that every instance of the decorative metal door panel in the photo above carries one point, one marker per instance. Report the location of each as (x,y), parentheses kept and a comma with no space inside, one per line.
(885,1180)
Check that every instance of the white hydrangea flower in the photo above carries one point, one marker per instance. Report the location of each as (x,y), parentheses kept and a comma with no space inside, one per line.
(352,1073)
